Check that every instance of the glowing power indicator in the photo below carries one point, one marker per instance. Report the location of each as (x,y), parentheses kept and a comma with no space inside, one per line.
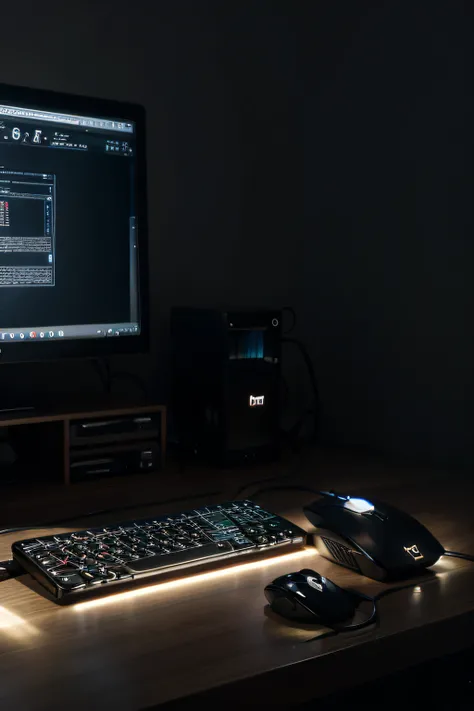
(256,400)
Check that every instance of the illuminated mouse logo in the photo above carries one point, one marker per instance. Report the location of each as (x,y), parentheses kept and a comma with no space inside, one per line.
(256,400)
(314,583)
(414,551)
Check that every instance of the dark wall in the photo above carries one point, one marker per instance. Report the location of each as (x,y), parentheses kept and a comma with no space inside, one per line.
(314,153)
(386,292)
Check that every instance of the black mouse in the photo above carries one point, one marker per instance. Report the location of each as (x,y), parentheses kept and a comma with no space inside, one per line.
(310,598)
(371,537)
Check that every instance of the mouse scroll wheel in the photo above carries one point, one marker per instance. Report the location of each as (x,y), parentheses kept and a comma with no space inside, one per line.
(360,506)
(364,508)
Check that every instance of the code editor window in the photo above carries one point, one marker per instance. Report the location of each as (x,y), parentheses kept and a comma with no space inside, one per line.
(27,228)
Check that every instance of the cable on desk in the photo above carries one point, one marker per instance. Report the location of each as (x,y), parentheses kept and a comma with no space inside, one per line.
(101,512)
(350,628)
(286,487)
(10,569)
(292,474)
(463,556)
(373,617)
(289,487)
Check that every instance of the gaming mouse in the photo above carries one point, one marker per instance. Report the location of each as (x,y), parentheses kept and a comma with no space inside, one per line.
(310,598)
(371,537)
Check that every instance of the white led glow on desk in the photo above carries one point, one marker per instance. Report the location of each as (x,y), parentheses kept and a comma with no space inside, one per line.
(193,579)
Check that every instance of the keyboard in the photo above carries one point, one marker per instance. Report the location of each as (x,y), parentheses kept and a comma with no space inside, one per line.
(71,564)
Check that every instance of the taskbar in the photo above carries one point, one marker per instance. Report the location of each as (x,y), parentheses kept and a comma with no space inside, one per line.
(60,333)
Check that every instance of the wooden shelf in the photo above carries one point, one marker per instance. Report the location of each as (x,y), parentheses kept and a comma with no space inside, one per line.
(73,412)
(59,437)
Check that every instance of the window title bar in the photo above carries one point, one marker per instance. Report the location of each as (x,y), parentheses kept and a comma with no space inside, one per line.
(70,119)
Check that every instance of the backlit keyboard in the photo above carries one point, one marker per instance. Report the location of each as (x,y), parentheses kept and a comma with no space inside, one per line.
(70,564)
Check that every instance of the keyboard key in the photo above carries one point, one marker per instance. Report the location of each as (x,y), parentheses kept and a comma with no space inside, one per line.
(70,582)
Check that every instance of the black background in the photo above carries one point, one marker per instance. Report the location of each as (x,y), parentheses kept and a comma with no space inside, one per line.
(92,240)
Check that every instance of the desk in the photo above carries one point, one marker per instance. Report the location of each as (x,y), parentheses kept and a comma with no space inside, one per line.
(210,636)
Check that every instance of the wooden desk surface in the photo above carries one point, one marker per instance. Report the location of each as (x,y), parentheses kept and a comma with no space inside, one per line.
(210,633)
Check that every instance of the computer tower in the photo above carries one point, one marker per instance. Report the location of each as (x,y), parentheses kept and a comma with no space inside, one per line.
(226,383)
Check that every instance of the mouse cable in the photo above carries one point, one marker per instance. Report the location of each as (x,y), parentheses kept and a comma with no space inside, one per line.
(9,569)
(373,617)
(101,512)
(455,554)
(291,311)
(285,487)
(293,472)
(106,375)
(312,379)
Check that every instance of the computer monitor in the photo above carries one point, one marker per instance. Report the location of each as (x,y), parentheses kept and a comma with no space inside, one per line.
(73,227)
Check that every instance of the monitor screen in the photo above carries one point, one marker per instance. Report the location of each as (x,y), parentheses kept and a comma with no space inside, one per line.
(69,247)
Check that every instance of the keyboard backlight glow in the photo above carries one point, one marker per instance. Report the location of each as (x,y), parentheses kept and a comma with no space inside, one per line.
(194,579)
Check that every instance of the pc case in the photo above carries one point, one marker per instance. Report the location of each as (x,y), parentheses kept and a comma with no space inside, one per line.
(226,383)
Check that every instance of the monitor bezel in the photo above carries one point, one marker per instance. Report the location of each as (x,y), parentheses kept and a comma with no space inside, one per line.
(108,109)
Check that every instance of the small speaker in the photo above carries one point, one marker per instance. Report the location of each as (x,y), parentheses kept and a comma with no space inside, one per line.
(226,383)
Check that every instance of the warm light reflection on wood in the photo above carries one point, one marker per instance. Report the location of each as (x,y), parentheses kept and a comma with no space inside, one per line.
(445,564)
(194,579)
(15,626)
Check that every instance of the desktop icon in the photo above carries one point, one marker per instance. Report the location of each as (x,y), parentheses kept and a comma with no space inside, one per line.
(22,335)
(51,334)
(41,334)
(32,334)
(60,334)
(12,335)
